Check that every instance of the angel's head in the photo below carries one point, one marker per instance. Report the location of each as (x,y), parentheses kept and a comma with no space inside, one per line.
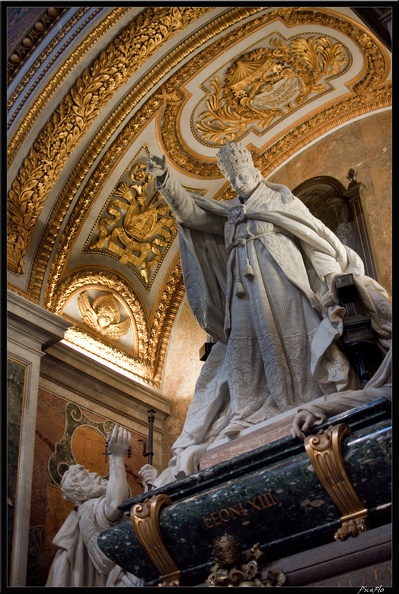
(107,311)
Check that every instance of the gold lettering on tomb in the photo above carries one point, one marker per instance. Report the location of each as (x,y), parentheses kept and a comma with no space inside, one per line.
(240,510)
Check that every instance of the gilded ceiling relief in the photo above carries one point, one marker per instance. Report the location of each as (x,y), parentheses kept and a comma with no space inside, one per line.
(137,230)
(129,132)
(111,323)
(68,124)
(266,84)
(35,74)
(312,61)
(99,286)
(103,315)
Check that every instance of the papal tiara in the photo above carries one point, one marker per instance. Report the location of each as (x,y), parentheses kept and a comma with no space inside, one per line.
(233,157)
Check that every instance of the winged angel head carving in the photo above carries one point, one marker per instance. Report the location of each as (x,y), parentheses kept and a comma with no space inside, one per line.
(103,315)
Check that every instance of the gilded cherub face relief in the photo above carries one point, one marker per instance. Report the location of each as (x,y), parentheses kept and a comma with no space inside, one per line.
(103,315)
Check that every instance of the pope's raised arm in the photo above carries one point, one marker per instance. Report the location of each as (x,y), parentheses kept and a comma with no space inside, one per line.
(181,201)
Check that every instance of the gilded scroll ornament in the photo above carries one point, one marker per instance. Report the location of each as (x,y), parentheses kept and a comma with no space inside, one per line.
(133,128)
(145,522)
(325,453)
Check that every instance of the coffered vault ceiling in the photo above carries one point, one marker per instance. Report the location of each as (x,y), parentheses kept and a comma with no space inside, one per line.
(93,90)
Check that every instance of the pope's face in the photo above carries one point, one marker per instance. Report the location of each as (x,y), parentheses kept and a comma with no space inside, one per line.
(244,182)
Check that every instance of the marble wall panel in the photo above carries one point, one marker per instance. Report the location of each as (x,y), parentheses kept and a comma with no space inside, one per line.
(182,368)
(16,373)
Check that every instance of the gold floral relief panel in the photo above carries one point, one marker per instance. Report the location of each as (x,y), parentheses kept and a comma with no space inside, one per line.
(304,81)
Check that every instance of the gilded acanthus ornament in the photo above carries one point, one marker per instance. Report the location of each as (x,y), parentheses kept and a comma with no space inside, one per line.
(68,124)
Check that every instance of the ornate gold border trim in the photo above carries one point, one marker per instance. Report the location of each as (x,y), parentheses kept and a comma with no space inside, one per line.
(61,74)
(122,143)
(69,122)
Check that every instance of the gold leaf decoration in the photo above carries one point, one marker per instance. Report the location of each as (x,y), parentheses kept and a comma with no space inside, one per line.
(146,230)
(267,83)
(76,113)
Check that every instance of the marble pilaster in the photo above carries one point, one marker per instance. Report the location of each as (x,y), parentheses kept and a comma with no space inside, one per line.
(31,329)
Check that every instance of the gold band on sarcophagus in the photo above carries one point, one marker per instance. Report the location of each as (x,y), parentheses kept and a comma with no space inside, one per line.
(145,521)
(325,453)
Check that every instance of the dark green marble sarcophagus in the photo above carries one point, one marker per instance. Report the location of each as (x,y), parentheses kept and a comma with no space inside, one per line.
(272,495)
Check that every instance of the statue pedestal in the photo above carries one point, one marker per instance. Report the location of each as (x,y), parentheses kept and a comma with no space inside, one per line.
(271,495)
(248,440)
